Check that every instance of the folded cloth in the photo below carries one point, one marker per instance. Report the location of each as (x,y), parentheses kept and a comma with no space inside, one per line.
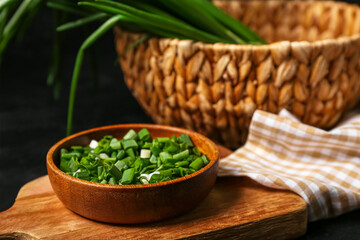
(323,167)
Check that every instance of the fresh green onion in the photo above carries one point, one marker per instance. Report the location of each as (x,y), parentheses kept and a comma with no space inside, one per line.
(144,134)
(184,138)
(130,135)
(197,164)
(181,155)
(128,176)
(82,21)
(104,162)
(130,144)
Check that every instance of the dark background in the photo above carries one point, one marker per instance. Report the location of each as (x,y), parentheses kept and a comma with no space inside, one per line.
(31,121)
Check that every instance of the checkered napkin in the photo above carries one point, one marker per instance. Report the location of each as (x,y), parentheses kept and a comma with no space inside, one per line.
(323,167)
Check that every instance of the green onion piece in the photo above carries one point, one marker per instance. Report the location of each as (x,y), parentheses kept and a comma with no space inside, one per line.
(196,151)
(155,151)
(147,145)
(131,134)
(182,171)
(189,171)
(181,155)
(115,144)
(130,152)
(120,154)
(171,147)
(110,160)
(168,164)
(164,156)
(64,165)
(112,181)
(182,164)
(141,163)
(77,148)
(197,164)
(94,179)
(129,144)
(115,172)
(73,165)
(70,155)
(186,139)
(205,159)
(145,153)
(63,150)
(104,181)
(128,176)
(163,139)
(159,163)
(128,160)
(183,146)
(121,165)
(153,159)
(113,154)
(144,134)
(148,169)
(100,172)
(175,171)
(167,172)
(82,175)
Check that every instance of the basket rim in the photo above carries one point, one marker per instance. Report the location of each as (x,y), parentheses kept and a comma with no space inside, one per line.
(202,45)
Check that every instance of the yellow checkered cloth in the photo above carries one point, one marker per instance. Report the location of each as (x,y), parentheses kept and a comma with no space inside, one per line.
(323,167)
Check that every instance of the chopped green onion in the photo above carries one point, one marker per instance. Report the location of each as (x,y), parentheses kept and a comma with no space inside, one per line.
(120,154)
(131,135)
(128,176)
(121,164)
(181,155)
(163,139)
(130,144)
(196,151)
(153,159)
(130,152)
(164,156)
(145,153)
(115,172)
(112,181)
(182,164)
(126,161)
(115,144)
(144,134)
(147,145)
(197,164)
(186,139)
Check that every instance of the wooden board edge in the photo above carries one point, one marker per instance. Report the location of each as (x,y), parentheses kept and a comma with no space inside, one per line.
(282,227)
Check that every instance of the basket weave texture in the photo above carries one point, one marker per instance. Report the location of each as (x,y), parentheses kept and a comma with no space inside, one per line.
(312,68)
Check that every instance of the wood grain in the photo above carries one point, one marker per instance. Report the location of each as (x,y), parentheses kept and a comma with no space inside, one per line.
(236,208)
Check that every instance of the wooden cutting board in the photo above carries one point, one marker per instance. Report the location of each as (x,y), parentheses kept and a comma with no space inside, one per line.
(236,208)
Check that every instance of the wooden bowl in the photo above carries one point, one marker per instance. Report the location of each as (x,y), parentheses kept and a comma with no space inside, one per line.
(129,204)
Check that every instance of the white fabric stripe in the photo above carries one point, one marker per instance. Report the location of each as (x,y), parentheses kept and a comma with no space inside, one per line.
(327,179)
(321,135)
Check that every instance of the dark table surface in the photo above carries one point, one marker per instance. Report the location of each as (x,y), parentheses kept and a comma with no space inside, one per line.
(31,121)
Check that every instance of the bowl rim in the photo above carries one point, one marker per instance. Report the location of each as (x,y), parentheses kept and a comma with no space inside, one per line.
(52,166)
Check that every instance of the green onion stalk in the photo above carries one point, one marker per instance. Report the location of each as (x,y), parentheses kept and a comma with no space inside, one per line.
(198,20)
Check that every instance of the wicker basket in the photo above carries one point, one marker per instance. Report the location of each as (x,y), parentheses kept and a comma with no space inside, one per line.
(312,68)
